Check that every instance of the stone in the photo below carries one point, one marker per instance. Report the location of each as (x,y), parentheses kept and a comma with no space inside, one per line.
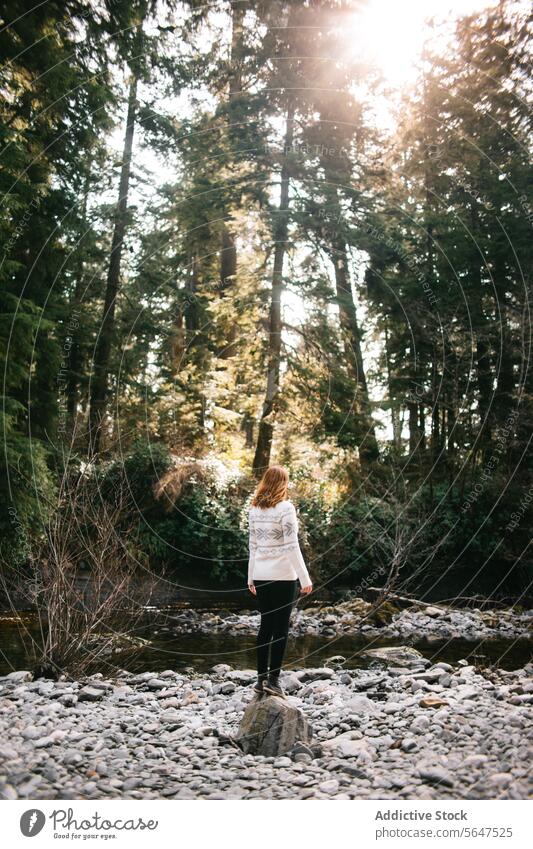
(369,682)
(346,746)
(433,702)
(20,677)
(436,775)
(291,683)
(392,707)
(271,727)
(335,662)
(475,760)
(362,705)
(420,724)
(500,779)
(321,673)
(300,748)
(7,791)
(7,753)
(329,787)
(51,739)
(383,614)
(434,611)
(241,676)
(156,684)
(464,691)
(354,771)
(400,655)
(31,732)
(90,694)
(72,757)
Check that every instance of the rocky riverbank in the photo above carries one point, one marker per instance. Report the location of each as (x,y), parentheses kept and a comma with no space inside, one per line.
(358,617)
(403,729)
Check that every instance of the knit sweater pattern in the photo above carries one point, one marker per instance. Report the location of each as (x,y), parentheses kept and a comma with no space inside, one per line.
(275,553)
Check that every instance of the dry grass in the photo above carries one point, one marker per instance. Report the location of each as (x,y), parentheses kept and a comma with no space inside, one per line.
(173,484)
(84,580)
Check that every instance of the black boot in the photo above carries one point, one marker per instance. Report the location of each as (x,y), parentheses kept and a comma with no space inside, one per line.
(272,686)
(261,679)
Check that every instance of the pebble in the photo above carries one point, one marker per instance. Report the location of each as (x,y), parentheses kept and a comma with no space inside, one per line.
(90,694)
(436,775)
(348,618)
(372,739)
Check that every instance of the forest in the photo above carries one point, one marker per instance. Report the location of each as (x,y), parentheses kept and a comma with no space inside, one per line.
(230,238)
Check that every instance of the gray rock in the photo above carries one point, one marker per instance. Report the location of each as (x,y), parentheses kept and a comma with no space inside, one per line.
(335,662)
(354,771)
(241,676)
(31,732)
(347,746)
(300,748)
(72,757)
(420,723)
(362,705)
(321,673)
(156,684)
(436,775)
(7,753)
(329,787)
(20,677)
(291,683)
(7,791)
(271,726)
(434,611)
(400,655)
(369,682)
(90,694)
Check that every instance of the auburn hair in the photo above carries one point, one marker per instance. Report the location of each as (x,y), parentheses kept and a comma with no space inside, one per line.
(272,488)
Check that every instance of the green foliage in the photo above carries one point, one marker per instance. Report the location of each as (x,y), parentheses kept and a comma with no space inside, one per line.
(26,488)
(204,534)
(138,471)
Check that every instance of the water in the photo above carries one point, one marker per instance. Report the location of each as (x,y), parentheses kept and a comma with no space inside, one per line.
(163,649)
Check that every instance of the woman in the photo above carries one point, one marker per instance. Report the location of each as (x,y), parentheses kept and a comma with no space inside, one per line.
(274,569)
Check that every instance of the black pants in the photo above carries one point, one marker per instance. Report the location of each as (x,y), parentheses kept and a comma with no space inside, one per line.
(275,600)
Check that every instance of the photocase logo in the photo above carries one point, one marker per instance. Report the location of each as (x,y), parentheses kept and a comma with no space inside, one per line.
(32,822)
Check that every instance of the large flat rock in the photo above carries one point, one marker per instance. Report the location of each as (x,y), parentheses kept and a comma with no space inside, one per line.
(271,726)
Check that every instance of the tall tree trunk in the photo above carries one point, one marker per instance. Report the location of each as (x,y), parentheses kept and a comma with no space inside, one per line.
(351,332)
(368,447)
(191,312)
(102,355)
(394,407)
(436,387)
(76,355)
(505,383)
(228,249)
(281,229)
(484,378)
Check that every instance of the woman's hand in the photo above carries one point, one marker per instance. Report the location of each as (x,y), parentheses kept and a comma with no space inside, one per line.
(306,590)
(252,589)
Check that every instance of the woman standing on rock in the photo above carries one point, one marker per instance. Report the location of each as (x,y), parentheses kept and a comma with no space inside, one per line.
(274,569)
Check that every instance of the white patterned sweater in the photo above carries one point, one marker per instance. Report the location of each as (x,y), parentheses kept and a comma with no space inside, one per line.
(274,548)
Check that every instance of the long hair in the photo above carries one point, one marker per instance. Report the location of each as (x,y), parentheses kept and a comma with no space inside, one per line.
(272,488)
